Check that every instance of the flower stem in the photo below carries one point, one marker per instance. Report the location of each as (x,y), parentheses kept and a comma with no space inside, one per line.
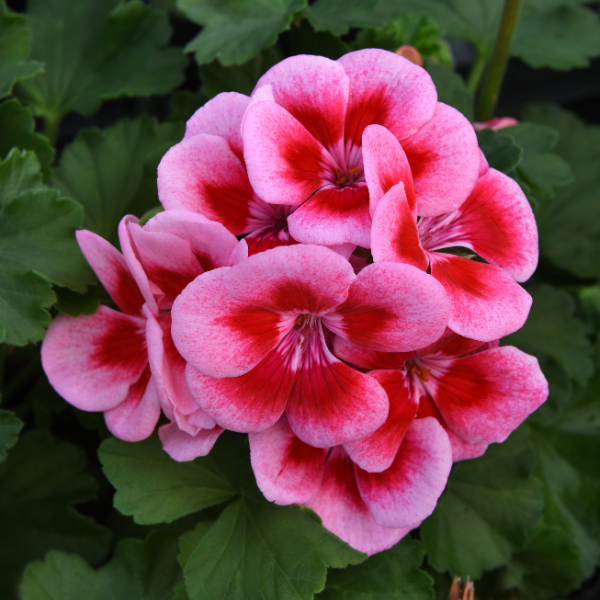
(51,125)
(495,74)
(478,67)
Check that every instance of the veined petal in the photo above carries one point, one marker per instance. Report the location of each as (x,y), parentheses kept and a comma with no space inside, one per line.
(394,235)
(134,419)
(485,396)
(112,271)
(408,491)
(314,90)
(182,446)
(487,304)
(343,511)
(202,174)
(376,452)
(333,216)
(452,344)
(393,308)
(92,361)
(386,165)
(386,89)
(287,470)
(444,160)
(365,358)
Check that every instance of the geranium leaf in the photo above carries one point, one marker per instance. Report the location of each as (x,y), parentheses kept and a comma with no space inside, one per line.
(569,223)
(15,38)
(10,427)
(113,172)
(40,481)
(153,488)
(500,151)
(485,512)
(339,16)
(96,50)
(139,570)
(385,576)
(234,31)
(451,89)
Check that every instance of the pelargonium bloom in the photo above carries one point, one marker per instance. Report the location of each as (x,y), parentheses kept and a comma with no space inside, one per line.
(255,337)
(495,221)
(302,137)
(478,391)
(370,511)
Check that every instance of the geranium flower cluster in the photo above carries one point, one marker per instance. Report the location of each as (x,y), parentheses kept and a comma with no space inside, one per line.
(352,331)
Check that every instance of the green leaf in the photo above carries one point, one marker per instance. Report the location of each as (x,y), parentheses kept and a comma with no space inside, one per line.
(569,223)
(236,30)
(138,571)
(500,151)
(485,512)
(17,126)
(113,172)
(96,50)
(183,104)
(14,47)
(10,427)
(37,248)
(153,488)
(40,481)
(242,79)
(74,304)
(552,331)
(451,89)
(388,575)
(339,16)
(305,40)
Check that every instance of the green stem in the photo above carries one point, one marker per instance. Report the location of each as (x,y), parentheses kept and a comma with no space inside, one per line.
(478,67)
(495,74)
(51,125)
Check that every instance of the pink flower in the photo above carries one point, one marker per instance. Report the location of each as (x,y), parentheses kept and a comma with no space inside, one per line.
(479,393)
(256,339)
(496,123)
(303,131)
(495,221)
(370,511)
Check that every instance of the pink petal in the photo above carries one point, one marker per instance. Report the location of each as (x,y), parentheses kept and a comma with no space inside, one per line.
(112,271)
(365,358)
(92,361)
(134,419)
(202,174)
(485,396)
(452,344)
(239,254)
(388,90)
(344,250)
(221,116)
(393,308)
(408,491)
(497,222)
(483,164)
(287,470)
(487,304)
(343,511)
(314,90)
(444,159)
(333,216)
(286,164)
(394,235)
(376,452)
(182,446)
(385,166)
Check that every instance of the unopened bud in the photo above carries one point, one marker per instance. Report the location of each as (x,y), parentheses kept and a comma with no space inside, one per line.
(411,53)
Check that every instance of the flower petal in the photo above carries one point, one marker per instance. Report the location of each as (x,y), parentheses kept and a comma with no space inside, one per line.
(452,344)
(376,452)
(408,491)
(365,358)
(393,308)
(287,470)
(182,446)
(444,160)
(92,361)
(487,304)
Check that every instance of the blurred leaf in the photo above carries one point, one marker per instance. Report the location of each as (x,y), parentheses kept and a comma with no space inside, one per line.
(37,247)
(385,576)
(484,514)
(451,89)
(569,223)
(10,427)
(113,172)
(500,151)
(183,104)
(17,126)
(74,304)
(234,31)
(339,16)
(14,47)
(138,571)
(242,79)
(40,481)
(95,50)
(305,40)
